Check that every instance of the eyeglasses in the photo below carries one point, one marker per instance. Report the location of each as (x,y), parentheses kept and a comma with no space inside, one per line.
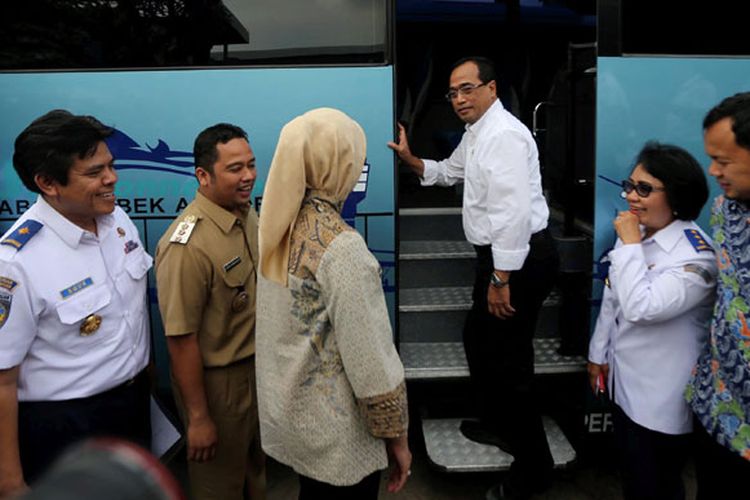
(465,90)
(642,189)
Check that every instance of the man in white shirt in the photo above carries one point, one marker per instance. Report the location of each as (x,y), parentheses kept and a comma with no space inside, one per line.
(505,218)
(74,337)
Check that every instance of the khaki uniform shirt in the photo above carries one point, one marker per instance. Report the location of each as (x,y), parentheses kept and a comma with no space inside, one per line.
(206,278)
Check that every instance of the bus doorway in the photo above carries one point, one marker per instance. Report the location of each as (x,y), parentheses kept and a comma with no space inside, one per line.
(545,60)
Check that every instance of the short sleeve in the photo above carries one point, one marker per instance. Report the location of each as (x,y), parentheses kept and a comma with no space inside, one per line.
(18,322)
(183,285)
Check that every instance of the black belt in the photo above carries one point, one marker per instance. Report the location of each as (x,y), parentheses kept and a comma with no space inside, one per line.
(140,377)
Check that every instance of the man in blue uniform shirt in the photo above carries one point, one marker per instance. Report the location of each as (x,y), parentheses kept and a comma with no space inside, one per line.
(74,339)
(719,392)
(505,217)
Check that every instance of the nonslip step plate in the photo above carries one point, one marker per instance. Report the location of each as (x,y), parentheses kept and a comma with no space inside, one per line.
(448,298)
(436,249)
(450,451)
(440,360)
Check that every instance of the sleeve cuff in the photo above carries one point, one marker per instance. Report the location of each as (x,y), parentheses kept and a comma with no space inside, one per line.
(386,415)
(509,260)
(598,358)
(429,177)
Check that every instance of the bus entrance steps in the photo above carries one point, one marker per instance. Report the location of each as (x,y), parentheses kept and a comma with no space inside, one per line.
(450,451)
(435,280)
(440,360)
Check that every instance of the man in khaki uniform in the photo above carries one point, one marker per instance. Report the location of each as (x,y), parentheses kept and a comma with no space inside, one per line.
(206,276)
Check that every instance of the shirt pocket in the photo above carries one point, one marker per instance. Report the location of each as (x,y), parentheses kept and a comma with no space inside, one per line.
(235,279)
(76,310)
(241,293)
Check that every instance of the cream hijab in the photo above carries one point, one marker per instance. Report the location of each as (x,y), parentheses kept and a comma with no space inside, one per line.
(322,150)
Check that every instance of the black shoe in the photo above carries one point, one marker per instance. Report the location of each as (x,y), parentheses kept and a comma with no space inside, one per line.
(475,431)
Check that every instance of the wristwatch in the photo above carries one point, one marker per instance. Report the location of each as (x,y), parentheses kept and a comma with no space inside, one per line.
(497,281)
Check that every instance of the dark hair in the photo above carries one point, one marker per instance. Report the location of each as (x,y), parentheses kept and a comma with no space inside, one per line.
(204,148)
(50,144)
(485,66)
(684,181)
(736,107)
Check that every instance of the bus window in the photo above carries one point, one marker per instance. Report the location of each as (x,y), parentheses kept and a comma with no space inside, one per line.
(103,34)
(314,31)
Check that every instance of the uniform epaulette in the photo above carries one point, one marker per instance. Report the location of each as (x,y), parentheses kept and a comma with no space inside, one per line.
(23,233)
(183,230)
(696,239)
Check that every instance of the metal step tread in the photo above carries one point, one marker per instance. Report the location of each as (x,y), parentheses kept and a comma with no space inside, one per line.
(436,249)
(427,211)
(441,360)
(449,450)
(449,298)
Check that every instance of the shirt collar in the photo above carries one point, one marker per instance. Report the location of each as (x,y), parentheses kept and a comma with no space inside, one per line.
(737,205)
(667,237)
(70,233)
(478,125)
(220,216)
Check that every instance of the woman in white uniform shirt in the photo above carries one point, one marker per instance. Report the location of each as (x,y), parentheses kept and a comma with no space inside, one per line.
(654,318)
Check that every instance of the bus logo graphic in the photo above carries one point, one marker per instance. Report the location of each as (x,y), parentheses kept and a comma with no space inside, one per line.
(130,155)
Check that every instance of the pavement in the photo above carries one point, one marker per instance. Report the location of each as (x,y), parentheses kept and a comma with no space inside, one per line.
(592,477)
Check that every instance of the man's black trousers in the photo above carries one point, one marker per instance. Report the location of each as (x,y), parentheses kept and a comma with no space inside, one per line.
(501,359)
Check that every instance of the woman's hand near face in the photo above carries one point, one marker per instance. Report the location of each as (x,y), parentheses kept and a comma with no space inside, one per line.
(626,225)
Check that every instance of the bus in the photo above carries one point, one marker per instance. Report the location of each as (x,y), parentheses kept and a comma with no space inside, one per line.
(593,80)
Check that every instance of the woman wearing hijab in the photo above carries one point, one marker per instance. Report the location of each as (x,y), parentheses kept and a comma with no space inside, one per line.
(654,319)
(331,392)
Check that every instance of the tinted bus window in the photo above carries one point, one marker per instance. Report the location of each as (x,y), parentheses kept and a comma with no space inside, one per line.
(96,34)
(672,27)
(313,30)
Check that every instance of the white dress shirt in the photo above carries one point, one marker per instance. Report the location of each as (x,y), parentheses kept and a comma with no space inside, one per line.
(653,322)
(503,203)
(60,277)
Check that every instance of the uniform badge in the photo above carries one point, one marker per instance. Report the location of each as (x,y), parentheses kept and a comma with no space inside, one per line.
(231,264)
(7,283)
(240,301)
(23,233)
(90,324)
(696,239)
(121,232)
(5,301)
(183,230)
(73,289)
(130,246)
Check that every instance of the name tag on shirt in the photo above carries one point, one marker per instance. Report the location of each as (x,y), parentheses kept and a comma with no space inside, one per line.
(73,289)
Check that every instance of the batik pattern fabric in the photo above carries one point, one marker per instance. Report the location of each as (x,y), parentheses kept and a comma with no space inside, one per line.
(331,385)
(719,391)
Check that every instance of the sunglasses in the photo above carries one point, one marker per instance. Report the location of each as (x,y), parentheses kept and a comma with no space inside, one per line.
(642,189)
